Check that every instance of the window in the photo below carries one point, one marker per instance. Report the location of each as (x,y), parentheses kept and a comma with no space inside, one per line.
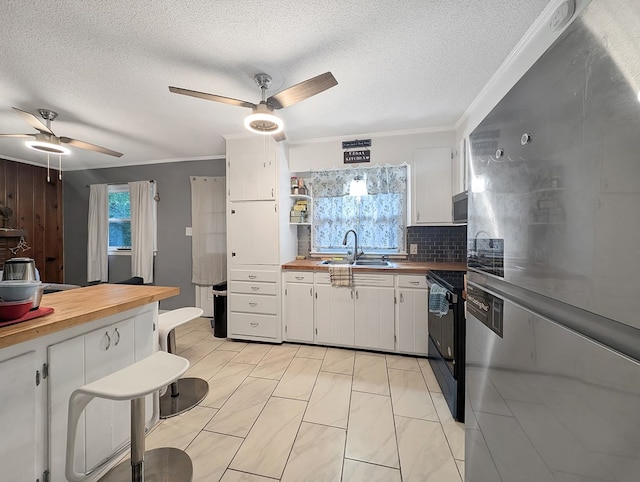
(379,218)
(119,218)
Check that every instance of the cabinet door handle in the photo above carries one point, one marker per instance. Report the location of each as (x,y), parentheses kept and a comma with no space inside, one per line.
(252,304)
(108,340)
(414,283)
(252,276)
(233,211)
(311,292)
(417,215)
(117,339)
(351,294)
(255,288)
(299,278)
(254,323)
(357,295)
(401,298)
(271,192)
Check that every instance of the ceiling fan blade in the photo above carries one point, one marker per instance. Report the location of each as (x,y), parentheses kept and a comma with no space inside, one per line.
(279,137)
(89,147)
(33,121)
(213,97)
(17,135)
(302,91)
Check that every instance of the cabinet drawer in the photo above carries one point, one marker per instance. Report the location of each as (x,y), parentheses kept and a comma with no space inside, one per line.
(253,275)
(252,288)
(253,325)
(373,279)
(298,276)
(253,303)
(412,281)
(323,278)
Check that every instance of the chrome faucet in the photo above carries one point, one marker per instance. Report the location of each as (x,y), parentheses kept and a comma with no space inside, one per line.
(355,248)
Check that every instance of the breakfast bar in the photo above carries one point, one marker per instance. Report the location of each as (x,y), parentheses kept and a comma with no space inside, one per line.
(92,332)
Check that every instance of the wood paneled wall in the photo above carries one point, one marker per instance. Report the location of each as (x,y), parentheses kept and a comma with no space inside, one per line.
(37,209)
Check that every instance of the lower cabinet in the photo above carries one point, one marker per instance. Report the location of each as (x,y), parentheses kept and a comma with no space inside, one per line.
(253,298)
(384,312)
(333,313)
(374,312)
(298,306)
(412,314)
(81,360)
(18,443)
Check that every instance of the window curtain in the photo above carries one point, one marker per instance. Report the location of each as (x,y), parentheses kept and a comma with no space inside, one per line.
(209,230)
(379,218)
(98,233)
(143,229)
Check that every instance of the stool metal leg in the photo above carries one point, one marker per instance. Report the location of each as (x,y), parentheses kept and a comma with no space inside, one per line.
(184,393)
(166,464)
(137,439)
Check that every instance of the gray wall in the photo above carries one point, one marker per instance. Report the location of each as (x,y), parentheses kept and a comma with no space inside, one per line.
(173,261)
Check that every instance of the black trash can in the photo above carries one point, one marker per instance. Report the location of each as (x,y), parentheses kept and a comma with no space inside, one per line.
(219,322)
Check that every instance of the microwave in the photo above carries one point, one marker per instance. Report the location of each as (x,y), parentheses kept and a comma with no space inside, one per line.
(460,207)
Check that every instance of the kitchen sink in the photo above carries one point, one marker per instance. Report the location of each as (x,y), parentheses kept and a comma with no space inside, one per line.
(372,263)
(368,263)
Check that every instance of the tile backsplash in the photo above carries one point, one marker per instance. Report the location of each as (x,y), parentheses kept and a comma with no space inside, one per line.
(438,243)
(435,243)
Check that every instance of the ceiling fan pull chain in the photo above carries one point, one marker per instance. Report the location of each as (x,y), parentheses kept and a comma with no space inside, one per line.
(48,176)
(59,167)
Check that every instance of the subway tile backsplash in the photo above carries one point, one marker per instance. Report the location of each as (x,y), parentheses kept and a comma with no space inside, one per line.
(435,243)
(438,243)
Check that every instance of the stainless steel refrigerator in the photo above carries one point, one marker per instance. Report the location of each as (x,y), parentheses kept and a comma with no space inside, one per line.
(553,325)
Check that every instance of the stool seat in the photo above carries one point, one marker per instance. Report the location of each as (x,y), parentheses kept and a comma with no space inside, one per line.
(170,320)
(146,376)
(130,383)
(185,393)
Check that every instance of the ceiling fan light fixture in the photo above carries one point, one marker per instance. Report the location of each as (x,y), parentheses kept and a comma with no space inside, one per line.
(264,123)
(48,147)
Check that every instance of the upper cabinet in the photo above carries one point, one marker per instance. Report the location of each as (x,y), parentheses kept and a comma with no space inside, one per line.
(252,169)
(431,186)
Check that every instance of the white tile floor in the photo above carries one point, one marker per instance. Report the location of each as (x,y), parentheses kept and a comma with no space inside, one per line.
(305,413)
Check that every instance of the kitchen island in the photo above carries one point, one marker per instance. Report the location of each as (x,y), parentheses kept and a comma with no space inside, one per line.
(92,332)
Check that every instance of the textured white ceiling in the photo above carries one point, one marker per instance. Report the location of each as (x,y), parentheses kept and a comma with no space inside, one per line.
(105,66)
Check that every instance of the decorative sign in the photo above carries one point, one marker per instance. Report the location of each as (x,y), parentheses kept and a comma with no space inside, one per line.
(354,157)
(356,143)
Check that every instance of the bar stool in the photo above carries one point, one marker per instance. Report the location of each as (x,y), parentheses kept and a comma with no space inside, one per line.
(184,393)
(133,383)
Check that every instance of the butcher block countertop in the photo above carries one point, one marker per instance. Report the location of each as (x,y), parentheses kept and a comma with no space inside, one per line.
(401,267)
(77,306)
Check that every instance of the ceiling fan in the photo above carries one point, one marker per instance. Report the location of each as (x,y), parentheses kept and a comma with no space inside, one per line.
(262,120)
(46,141)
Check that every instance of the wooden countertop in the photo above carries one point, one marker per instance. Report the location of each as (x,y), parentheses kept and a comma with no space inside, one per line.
(402,267)
(81,305)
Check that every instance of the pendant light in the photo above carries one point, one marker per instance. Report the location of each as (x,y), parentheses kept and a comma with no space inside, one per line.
(358,187)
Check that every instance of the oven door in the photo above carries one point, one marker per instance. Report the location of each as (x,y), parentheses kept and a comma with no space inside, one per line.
(442,332)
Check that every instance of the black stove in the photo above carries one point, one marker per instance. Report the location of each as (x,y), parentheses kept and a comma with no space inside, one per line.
(447,340)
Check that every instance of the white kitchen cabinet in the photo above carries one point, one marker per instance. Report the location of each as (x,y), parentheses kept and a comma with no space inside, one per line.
(374,312)
(412,315)
(258,235)
(107,351)
(431,186)
(253,233)
(18,443)
(334,315)
(298,306)
(252,169)
(252,303)
(81,360)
